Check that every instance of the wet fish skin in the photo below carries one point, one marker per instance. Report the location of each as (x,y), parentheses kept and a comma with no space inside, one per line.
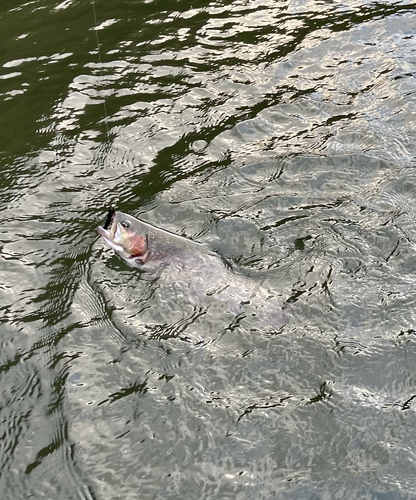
(145,246)
(201,271)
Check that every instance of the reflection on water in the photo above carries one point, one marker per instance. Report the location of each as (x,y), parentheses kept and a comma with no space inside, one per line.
(281,135)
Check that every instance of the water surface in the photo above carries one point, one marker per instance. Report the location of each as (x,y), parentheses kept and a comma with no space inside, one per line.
(282,136)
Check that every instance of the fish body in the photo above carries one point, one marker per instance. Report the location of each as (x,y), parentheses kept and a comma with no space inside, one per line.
(201,271)
(147,247)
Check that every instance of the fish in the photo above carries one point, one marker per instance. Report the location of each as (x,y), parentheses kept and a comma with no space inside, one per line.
(204,272)
(146,247)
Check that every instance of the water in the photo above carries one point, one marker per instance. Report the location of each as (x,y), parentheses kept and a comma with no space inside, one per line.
(282,136)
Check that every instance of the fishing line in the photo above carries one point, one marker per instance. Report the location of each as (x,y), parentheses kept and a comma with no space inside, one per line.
(100,64)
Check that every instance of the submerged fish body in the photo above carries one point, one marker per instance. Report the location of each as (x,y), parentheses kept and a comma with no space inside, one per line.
(202,272)
(147,247)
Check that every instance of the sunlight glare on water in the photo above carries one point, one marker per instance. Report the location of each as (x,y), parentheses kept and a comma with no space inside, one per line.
(281,135)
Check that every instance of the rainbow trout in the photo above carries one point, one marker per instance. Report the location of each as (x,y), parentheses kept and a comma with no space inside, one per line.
(149,248)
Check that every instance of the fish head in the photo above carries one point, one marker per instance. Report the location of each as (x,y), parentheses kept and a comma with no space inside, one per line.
(125,240)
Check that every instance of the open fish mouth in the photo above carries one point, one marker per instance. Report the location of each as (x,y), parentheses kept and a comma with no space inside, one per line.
(112,236)
(119,234)
(112,231)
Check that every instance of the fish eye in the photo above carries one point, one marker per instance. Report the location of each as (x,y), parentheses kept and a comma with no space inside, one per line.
(125,223)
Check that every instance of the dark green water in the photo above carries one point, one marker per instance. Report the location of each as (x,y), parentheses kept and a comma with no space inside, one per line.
(280,134)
